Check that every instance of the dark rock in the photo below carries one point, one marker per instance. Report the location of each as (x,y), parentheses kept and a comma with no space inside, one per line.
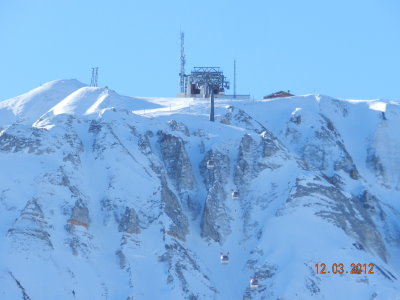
(80,214)
(172,208)
(176,161)
(129,222)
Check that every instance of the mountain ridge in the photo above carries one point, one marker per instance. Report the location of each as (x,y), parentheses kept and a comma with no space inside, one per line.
(110,197)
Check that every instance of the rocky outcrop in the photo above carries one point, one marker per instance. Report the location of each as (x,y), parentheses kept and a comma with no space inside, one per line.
(238,117)
(263,274)
(80,214)
(177,164)
(345,163)
(181,264)
(172,208)
(247,159)
(144,145)
(120,185)
(129,222)
(348,213)
(320,145)
(215,221)
(255,155)
(80,240)
(270,144)
(178,126)
(71,138)
(19,138)
(176,168)
(121,258)
(369,202)
(30,228)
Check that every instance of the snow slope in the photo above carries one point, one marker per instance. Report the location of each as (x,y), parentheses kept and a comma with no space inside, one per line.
(28,107)
(104,196)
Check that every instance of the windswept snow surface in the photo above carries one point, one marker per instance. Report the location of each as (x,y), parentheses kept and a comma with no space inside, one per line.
(28,107)
(104,196)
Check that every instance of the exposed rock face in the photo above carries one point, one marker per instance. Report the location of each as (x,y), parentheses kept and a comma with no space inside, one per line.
(75,144)
(122,258)
(172,208)
(111,189)
(176,161)
(237,116)
(78,225)
(263,273)
(144,144)
(320,145)
(13,139)
(345,163)
(180,263)
(370,202)
(255,155)
(178,126)
(246,164)
(270,144)
(344,211)
(215,219)
(129,222)
(30,227)
(177,167)
(80,214)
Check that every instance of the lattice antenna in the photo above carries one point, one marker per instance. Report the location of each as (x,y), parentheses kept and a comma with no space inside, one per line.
(234,78)
(183,62)
(95,75)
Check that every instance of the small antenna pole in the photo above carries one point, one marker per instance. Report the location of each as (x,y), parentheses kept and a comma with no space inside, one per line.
(183,61)
(234,78)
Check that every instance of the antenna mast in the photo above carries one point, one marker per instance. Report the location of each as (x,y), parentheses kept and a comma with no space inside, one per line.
(183,61)
(95,75)
(234,78)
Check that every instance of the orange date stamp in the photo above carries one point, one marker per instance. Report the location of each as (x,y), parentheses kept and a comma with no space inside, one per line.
(341,269)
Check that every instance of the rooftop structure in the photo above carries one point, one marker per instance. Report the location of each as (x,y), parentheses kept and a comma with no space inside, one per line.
(204,80)
(279,94)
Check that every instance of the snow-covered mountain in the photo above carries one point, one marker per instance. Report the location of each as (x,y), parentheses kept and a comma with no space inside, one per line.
(104,196)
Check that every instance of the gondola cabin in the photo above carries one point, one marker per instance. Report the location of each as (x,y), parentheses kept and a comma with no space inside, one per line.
(210,164)
(253,283)
(224,258)
(235,194)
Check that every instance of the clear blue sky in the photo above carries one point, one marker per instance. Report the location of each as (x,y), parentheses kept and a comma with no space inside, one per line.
(341,48)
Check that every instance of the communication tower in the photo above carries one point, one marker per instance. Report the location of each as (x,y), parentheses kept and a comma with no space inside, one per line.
(183,61)
(95,74)
(234,78)
(204,82)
